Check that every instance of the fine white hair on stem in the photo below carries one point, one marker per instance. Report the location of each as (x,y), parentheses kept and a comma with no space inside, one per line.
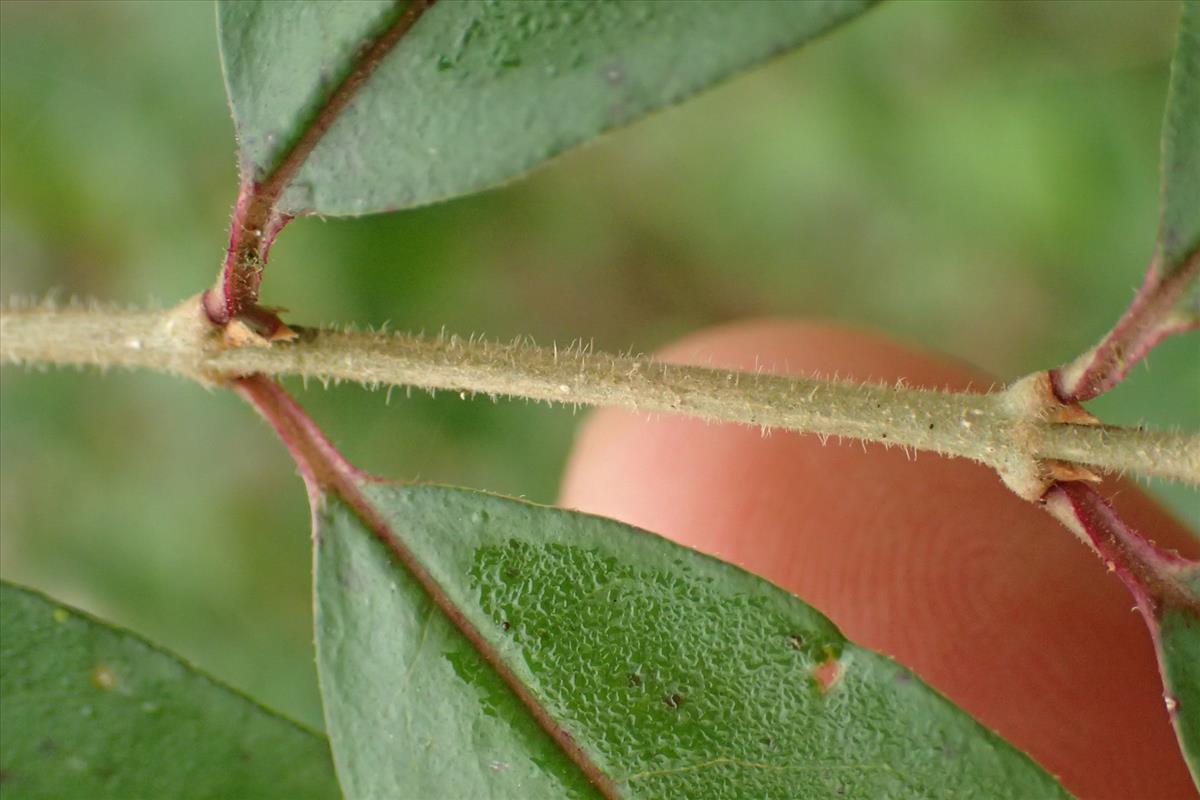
(1013,431)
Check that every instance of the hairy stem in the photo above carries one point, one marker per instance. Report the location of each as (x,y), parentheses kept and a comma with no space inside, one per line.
(1147,321)
(1150,573)
(1005,430)
(1165,586)
(256,220)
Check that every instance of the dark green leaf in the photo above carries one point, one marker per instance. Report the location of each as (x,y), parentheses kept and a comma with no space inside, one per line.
(477,92)
(677,675)
(89,711)
(1179,657)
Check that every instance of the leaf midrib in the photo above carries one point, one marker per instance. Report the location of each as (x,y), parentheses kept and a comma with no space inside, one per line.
(325,472)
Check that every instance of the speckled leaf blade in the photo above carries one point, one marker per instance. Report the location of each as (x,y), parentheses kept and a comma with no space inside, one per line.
(89,711)
(678,675)
(478,91)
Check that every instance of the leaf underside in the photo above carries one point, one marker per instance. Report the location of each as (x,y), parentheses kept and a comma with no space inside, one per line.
(89,711)
(677,674)
(477,92)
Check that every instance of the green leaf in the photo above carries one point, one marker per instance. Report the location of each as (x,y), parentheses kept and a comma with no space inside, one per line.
(476,92)
(1179,229)
(672,673)
(1179,236)
(1179,657)
(89,711)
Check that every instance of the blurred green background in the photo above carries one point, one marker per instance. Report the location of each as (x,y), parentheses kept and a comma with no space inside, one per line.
(976,178)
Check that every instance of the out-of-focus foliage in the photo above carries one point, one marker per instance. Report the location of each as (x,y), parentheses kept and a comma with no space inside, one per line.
(977,178)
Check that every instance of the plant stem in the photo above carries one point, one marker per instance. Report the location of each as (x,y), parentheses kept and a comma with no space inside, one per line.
(1161,306)
(1003,429)
(1163,584)
(1147,321)
(256,219)
(1154,576)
